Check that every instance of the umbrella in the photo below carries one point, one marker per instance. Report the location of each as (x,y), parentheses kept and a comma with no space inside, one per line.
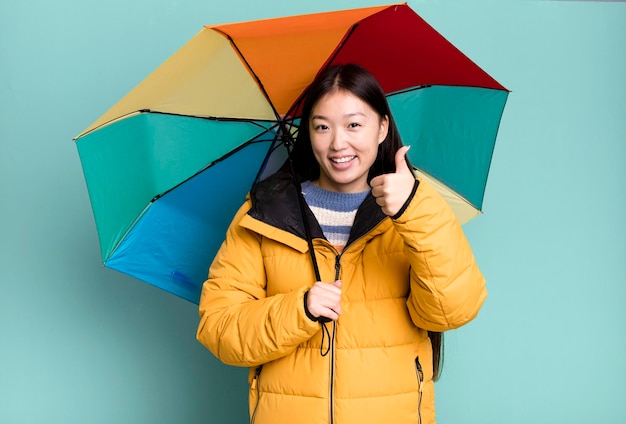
(168,165)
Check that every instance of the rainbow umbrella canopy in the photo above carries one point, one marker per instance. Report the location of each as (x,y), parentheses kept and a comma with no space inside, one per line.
(169,164)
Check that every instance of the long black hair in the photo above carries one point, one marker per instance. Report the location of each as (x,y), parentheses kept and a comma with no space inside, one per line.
(361,83)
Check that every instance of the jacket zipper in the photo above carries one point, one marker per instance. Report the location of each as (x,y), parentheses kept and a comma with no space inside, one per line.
(332,377)
(420,383)
(332,351)
(255,386)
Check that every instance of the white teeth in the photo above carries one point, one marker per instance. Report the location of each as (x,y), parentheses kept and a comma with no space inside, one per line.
(343,160)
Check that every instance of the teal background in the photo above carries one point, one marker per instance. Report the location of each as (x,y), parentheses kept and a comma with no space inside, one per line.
(84,344)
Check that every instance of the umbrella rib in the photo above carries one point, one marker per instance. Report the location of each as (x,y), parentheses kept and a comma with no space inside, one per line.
(104,124)
(128,230)
(344,40)
(408,90)
(423,86)
(482,198)
(225,156)
(256,77)
(210,118)
(273,147)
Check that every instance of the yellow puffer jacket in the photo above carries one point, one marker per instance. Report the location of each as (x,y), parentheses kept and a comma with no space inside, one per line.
(401,278)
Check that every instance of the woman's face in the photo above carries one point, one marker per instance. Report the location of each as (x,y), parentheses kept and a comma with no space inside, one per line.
(345,133)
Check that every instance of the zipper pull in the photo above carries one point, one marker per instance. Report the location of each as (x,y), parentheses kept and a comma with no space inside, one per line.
(337,266)
(256,377)
(420,374)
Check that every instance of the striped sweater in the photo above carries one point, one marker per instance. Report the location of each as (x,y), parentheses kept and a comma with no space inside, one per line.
(334,211)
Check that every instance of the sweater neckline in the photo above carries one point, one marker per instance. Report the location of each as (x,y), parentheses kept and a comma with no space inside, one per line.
(333,200)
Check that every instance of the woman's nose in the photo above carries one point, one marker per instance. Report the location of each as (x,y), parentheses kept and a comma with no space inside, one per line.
(338,141)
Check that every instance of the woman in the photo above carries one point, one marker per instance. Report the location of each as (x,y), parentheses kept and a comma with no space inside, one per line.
(353,347)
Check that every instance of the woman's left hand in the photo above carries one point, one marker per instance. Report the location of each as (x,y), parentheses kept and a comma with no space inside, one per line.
(391,191)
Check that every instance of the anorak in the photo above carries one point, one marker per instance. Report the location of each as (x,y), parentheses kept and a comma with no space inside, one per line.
(401,277)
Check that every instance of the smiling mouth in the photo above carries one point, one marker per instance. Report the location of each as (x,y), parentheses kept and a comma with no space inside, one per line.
(343,159)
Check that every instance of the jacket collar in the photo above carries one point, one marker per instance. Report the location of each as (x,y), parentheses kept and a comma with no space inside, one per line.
(275,203)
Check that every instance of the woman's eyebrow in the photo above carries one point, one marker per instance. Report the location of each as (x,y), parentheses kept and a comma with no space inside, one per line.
(347,115)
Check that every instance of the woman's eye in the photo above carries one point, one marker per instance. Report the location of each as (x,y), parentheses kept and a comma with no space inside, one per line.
(320,127)
(354,125)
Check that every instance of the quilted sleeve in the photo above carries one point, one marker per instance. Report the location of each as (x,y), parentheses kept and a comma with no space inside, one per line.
(447,288)
(239,324)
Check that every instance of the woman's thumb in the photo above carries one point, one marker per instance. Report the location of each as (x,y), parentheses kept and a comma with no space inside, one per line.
(401,162)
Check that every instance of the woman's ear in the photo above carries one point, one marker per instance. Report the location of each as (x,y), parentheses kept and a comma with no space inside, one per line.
(384,129)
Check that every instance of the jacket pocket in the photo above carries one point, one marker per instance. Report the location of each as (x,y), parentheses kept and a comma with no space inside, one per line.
(419,372)
(254,396)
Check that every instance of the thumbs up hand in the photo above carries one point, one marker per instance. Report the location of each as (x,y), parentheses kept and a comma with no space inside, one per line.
(391,191)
